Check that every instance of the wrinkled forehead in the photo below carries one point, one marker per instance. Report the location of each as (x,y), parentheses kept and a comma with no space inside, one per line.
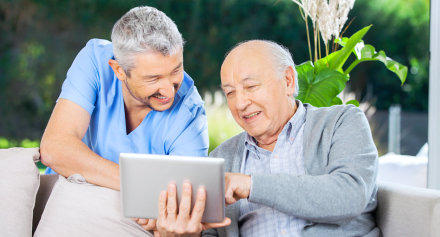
(246,62)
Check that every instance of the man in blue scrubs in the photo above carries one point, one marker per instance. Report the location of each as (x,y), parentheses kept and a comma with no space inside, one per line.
(128,95)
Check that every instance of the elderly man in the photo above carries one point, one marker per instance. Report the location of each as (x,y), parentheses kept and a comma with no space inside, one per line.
(128,95)
(297,170)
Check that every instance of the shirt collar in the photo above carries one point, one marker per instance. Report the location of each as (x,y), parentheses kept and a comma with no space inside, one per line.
(294,124)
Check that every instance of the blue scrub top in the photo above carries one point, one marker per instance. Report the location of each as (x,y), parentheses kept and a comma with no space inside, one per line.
(92,84)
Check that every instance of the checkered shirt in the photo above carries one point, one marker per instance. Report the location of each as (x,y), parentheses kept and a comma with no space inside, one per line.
(287,157)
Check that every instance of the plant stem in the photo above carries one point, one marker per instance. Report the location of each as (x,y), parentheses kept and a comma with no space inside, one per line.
(302,13)
(308,39)
(326,48)
(352,65)
(315,41)
(304,16)
(319,45)
(334,44)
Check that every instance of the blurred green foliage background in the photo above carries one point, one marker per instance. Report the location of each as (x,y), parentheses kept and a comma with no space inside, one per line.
(40,38)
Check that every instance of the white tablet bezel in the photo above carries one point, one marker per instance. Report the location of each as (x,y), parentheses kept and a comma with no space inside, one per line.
(144,176)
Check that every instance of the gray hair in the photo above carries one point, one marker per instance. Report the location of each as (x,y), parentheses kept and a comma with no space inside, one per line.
(281,57)
(144,29)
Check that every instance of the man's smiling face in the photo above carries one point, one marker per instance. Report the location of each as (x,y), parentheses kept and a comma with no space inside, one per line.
(155,79)
(258,97)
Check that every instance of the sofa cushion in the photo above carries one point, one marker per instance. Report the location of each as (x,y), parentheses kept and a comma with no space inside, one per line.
(407,211)
(47,182)
(19,181)
(403,169)
(77,208)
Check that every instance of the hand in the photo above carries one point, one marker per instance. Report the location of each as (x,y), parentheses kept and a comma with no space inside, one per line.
(147,224)
(237,186)
(183,222)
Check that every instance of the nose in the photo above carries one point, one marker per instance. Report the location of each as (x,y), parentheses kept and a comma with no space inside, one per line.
(242,100)
(167,88)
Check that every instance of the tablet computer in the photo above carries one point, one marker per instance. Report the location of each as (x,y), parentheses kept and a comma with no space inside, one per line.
(144,176)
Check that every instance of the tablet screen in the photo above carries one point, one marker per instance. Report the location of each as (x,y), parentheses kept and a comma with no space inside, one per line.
(144,176)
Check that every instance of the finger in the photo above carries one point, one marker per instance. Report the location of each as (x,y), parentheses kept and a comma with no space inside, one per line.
(172,201)
(229,196)
(156,233)
(224,223)
(199,206)
(163,205)
(185,202)
(151,225)
(142,221)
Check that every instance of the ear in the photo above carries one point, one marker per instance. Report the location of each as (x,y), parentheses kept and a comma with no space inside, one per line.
(117,69)
(289,77)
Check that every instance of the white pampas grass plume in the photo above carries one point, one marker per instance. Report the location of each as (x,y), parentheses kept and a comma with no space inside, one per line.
(330,15)
(343,8)
(310,9)
(325,19)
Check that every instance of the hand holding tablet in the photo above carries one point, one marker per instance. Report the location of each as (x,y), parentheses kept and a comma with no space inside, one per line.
(184,220)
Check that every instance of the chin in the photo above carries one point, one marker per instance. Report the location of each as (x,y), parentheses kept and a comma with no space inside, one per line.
(252,132)
(161,107)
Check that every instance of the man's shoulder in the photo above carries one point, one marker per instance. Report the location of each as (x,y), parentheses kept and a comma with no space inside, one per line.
(191,99)
(332,112)
(98,42)
(323,119)
(229,147)
(97,50)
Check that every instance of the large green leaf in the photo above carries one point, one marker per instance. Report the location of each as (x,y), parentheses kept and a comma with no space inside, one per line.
(305,71)
(321,82)
(338,59)
(321,88)
(366,52)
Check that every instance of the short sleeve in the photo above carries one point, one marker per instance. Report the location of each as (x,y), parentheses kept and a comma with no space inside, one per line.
(82,82)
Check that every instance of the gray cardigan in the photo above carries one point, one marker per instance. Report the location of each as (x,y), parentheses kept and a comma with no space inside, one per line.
(338,193)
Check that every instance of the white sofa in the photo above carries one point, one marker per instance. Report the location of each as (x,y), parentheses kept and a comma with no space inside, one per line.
(402,210)
(406,211)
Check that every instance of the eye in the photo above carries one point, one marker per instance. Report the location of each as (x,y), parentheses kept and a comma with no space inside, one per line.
(153,80)
(176,71)
(229,93)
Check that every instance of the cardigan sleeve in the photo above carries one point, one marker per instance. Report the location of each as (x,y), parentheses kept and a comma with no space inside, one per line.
(344,165)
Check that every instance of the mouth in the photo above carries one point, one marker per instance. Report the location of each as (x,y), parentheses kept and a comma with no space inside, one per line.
(162,99)
(251,116)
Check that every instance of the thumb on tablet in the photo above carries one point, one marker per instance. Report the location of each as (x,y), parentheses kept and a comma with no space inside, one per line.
(224,223)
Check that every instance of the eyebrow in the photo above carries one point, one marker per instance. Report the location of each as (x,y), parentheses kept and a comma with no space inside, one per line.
(155,76)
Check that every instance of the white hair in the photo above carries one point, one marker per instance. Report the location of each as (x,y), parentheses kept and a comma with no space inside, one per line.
(281,58)
(144,29)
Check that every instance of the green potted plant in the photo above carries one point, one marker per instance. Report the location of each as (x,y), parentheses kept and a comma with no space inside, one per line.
(322,79)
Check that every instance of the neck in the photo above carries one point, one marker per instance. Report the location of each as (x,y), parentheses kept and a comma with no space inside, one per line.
(131,102)
(135,112)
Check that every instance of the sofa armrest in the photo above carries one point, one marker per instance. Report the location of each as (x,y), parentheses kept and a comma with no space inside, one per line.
(46,184)
(407,211)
